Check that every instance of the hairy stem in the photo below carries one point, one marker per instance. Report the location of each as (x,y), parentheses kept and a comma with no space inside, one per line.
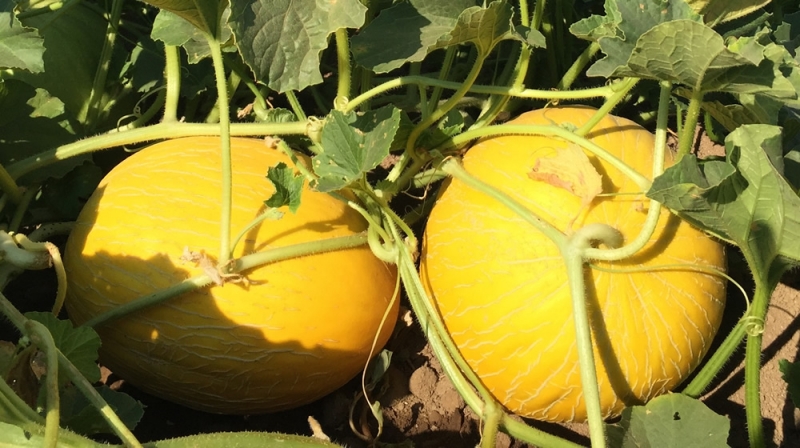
(172,76)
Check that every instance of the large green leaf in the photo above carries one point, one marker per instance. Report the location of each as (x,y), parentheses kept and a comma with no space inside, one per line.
(79,344)
(669,421)
(406,32)
(745,199)
(281,40)
(353,145)
(693,54)
(205,15)
(20,47)
(618,31)
(485,27)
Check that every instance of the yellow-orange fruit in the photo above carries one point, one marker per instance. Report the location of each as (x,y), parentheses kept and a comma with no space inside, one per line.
(295,331)
(501,285)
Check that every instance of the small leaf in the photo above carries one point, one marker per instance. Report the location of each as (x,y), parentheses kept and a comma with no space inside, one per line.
(281,40)
(274,115)
(82,417)
(405,32)
(79,344)
(570,168)
(20,47)
(669,421)
(288,187)
(744,200)
(791,374)
(353,145)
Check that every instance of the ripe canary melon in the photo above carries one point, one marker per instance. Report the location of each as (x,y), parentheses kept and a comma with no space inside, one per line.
(501,285)
(293,332)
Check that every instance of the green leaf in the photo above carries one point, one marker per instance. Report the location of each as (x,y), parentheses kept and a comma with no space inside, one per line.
(74,40)
(405,32)
(66,196)
(173,29)
(744,200)
(353,145)
(20,47)
(281,40)
(625,21)
(274,115)
(288,187)
(79,344)
(485,27)
(791,374)
(31,121)
(205,15)
(80,416)
(669,421)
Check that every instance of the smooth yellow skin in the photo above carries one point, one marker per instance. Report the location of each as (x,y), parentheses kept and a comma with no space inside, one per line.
(301,329)
(502,291)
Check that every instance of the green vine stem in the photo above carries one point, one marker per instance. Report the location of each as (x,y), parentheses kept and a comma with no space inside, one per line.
(92,111)
(21,323)
(172,76)
(686,136)
(440,111)
(240,265)
(149,133)
(225,140)
(44,340)
(9,186)
(577,67)
(573,257)
(754,327)
(294,103)
(343,63)
(444,73)
(420,303)
(654,210)
(621,90)
(146,116)
(491,423)
(717,361)
(597,92)
(97,400)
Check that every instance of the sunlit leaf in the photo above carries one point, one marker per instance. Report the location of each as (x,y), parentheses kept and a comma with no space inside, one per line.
(288,187)
(669,421)
(281,40)
(618,31)
(353,145)
(745,199)
(20,47)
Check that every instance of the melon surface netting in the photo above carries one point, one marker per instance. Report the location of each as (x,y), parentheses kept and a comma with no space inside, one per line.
(302,327)
(501,285)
